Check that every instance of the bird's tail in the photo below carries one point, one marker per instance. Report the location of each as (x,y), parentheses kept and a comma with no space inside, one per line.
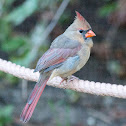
(33,99)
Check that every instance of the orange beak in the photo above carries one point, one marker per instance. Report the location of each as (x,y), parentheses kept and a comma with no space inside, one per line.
(89,34)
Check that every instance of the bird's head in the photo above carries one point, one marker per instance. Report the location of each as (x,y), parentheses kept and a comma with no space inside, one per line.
(80,30)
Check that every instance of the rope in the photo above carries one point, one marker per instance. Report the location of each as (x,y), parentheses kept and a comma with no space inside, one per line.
(97,88)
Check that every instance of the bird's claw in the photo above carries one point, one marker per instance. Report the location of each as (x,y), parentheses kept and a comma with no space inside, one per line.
(63,79)
(71,78)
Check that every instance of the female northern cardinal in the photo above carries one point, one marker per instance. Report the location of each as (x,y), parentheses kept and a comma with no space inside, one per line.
(68,53)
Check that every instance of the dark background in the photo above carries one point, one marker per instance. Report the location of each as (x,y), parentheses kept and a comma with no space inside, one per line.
(22,27)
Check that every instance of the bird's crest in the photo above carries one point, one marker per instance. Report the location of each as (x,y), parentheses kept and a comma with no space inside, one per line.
(80,20)
(79,16)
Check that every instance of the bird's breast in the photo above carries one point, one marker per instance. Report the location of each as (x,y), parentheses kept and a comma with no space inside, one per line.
(84,55)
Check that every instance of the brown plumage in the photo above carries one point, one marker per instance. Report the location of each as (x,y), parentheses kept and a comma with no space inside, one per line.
(68,53)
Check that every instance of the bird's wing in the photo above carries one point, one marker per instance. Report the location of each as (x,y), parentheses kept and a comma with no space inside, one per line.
(54,56)
(64,42)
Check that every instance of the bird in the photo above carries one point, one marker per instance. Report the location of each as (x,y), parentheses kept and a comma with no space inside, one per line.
(67,54)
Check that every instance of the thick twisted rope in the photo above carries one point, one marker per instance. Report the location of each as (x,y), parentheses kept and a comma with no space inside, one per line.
(104,89)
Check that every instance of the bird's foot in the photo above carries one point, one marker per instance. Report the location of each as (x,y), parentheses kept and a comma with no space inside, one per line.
(71,78)
(63,79)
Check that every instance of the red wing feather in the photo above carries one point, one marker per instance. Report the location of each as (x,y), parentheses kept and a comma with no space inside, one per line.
(55,56)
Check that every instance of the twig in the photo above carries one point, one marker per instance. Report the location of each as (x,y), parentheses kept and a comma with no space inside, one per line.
(49,28)
(46,33)
(55,19)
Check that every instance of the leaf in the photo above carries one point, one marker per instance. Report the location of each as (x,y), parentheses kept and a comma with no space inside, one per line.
(13,44)
(107,9)
(18,15)
(6,111)
(64,18)
(114,67)
(23,58)
(11,79)
(5,30)
(8,2)
(6,115)
(73,96)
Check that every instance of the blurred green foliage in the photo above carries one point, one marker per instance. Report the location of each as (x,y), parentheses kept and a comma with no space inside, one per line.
(20,47)
(72,95)
(25,48)
(19,14)
(6,115)
(108,8)
(53,108)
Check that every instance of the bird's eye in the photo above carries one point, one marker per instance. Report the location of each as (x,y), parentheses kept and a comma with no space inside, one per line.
(80,31)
